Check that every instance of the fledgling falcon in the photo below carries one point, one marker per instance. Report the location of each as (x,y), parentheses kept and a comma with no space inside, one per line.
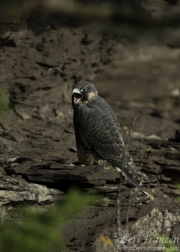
(98,133)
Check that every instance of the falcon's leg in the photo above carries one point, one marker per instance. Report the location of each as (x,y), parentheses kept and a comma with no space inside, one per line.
(106,165)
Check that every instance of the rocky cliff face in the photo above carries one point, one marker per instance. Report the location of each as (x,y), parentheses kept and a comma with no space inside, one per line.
(40,60)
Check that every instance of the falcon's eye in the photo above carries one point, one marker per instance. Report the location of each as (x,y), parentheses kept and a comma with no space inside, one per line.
(84,89)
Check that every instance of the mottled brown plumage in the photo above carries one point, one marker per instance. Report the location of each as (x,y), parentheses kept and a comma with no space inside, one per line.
(98,134)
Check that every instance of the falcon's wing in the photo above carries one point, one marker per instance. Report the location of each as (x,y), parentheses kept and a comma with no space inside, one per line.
(99,130)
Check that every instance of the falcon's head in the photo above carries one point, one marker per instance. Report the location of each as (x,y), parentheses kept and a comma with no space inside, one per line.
(83,92)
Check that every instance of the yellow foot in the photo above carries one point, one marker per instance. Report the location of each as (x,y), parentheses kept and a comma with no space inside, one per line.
(107,168)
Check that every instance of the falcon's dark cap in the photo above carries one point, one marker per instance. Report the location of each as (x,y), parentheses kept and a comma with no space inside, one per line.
(83,92)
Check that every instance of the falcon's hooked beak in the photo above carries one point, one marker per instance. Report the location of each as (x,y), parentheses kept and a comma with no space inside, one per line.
(76,95)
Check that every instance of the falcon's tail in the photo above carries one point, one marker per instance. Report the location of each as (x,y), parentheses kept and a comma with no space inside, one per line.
(130,175)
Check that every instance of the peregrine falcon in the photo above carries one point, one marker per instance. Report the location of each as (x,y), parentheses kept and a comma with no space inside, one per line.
(98,133)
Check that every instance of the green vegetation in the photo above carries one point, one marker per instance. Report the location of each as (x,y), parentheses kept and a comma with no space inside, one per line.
(41,232)
(168,243)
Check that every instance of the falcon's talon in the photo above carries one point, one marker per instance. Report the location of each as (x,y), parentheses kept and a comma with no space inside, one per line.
(98,133)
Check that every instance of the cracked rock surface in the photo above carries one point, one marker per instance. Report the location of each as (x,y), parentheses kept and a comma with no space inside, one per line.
(37,143)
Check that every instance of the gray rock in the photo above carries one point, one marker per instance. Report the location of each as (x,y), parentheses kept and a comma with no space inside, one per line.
(14,190)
